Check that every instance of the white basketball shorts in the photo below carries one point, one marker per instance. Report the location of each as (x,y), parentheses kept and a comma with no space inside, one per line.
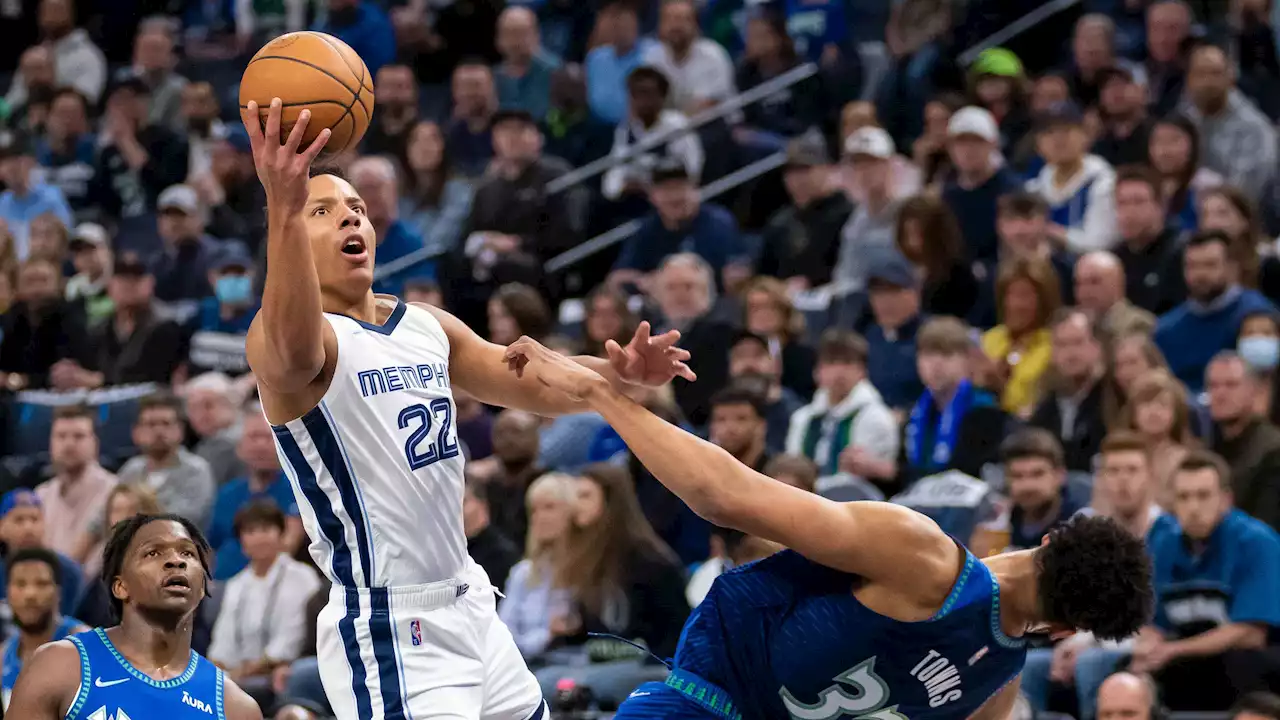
(423,652)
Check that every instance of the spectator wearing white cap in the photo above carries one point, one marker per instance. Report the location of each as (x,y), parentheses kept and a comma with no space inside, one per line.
(91,255)
(869,153)
(981,177)
(182,269)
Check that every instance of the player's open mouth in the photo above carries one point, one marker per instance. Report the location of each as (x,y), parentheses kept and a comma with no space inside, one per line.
(177,584)
(353,247)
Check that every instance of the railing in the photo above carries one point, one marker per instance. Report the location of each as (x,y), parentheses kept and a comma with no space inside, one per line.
(646,144)
(1016,28)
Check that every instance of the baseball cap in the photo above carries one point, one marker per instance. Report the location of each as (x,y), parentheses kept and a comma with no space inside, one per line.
(997,61)
(88,235)
(233,258)
(669,168)
(130,82)
(1060,113)
(512,115)
(871,141)
(976,121)
(1124,71)
(807,151)
(18,498)
(14,143)
(130,264)
(179,197)
(891,268)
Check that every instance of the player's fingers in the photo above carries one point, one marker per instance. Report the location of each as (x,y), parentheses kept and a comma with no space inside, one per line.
(295,135)
(614,350)
(666,339)
(249,115)
(642,333)
(683,371)
(678,354)
(273,124)
(317,146)
(517,348)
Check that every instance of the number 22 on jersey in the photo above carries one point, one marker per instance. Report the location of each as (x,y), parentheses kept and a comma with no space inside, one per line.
(424,447)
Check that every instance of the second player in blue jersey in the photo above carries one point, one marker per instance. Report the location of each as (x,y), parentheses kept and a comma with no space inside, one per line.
(873,611)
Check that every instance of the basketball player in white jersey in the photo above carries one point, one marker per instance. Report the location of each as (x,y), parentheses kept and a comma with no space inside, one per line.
(357,388)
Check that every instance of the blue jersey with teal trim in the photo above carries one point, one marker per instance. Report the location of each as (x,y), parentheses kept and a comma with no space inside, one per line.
(113,689)
(785,637)
(13,664)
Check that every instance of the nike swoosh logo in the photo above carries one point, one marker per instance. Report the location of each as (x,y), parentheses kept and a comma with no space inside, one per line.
(98,682)
(637,694)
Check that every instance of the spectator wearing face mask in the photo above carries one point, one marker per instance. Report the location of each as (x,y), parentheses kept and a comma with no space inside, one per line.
(1259,347)
(222,323)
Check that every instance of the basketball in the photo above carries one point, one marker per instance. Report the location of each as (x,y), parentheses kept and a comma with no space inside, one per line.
(317,72)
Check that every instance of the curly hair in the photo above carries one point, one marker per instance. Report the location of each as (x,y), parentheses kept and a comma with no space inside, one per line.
(113,554)
(1095,576)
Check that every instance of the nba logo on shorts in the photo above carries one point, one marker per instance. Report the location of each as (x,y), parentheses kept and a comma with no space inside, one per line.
(415,632)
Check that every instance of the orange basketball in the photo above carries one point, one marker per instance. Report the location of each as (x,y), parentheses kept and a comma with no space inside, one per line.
(317,72)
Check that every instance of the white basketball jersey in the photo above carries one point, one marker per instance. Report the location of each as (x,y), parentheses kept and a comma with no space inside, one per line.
(375,466)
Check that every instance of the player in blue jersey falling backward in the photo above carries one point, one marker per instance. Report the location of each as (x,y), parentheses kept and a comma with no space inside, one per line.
(156,567)
(874,612)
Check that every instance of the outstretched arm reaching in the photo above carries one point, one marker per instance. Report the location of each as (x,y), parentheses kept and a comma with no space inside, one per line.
(481,369)
(287,343)
(884,543)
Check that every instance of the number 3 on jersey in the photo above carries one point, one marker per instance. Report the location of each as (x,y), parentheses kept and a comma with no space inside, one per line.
(421,449)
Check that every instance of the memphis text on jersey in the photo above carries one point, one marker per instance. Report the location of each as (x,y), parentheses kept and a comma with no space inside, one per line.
(403,377)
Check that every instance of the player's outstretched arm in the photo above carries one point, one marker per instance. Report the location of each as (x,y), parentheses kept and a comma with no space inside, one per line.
(885,543)
(286,342)
(47,684)
(481,368)
(237,703)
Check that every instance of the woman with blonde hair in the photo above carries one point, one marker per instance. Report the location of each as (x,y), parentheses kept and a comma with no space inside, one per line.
(769,313)
(534,603)
(1019,349)
(1157,410)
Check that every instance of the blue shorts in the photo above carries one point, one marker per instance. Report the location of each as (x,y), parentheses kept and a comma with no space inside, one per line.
(683,696)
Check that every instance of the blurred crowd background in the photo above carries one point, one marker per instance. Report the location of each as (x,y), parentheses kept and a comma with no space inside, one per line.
(1002,261)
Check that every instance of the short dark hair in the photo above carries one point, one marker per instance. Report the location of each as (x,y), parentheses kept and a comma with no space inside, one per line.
(161,401)
(1197,460)
(74,412)
(259,513)
(1258,703)
(113,554)
(842,346)
(1141,174)
(1095,575)
(738,395)
(1208,237)
(652,74)
(39,555)
(798,466)
(1032,443)
(1021,204)
(320,168)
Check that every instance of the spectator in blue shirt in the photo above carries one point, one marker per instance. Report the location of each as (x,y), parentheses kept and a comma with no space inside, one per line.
(398,256)
(524,75)
(1208,322)
(1217,578)
(67,151)
(681,222)
(262,481)
(980,179)
(1040,497)
(610,64)
(24,198)
(894,291)
(217,343)
(474,103)
(365,27)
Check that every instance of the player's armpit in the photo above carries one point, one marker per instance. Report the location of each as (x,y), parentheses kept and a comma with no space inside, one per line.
(479,367)
(47,684)
(885,543)
(237,703)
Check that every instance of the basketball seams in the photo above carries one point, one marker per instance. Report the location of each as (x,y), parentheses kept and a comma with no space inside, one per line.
(364,71)
(309,64)
(301,102)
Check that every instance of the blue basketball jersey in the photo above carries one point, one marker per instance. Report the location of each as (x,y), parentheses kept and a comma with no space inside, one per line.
(785,637)
(13,663)
(113,689)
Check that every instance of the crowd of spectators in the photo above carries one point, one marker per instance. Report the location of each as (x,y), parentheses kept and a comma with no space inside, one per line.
(1001,287)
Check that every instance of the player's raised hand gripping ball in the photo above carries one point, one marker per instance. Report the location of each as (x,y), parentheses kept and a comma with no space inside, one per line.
(316,72)
(283,170)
